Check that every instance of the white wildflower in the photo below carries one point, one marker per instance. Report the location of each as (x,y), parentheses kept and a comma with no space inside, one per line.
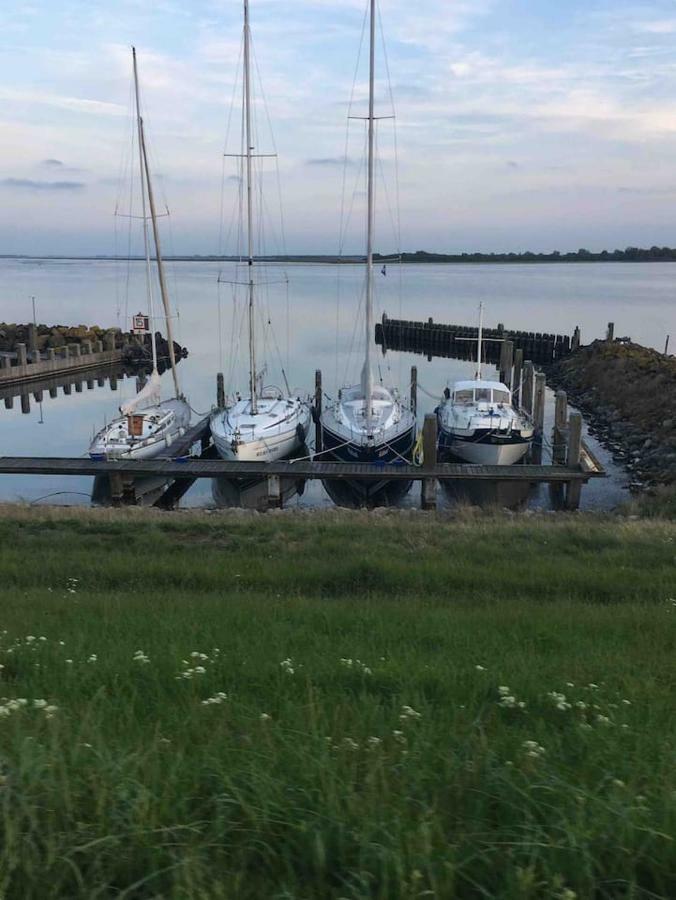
(407,712)
(93,658)
(480,668)
(374,741)
(533,749)
(264,717)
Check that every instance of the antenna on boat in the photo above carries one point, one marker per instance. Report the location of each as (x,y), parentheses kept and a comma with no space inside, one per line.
(481,340)
(249,207)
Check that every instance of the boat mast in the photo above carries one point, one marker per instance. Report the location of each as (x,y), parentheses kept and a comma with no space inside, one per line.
(481,340)
(149,286)
(158,257)
(367,374)
(249,208)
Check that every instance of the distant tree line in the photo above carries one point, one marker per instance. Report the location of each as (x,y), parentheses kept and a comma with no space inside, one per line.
(629,254)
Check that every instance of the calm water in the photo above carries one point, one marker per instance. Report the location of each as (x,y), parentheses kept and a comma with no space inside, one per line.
(639,298)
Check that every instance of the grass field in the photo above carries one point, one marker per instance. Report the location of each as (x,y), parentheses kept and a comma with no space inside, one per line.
(336,706)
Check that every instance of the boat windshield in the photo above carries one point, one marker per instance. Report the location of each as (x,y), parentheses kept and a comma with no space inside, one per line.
(500,396)
(482,395)
(463,396)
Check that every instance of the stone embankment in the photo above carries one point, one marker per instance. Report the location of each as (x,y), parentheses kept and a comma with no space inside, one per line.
(628,395)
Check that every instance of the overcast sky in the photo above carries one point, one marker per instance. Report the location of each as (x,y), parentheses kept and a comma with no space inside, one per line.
(521,124)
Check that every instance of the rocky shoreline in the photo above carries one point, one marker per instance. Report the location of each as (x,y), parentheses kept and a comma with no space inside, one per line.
(627,393)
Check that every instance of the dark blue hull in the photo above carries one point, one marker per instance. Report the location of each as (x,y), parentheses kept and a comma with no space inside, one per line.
(377,492)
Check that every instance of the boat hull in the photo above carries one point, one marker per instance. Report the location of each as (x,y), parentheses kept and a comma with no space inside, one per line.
(484,448)
(356,493)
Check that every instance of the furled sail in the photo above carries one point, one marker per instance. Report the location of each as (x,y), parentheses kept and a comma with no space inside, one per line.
(149,395)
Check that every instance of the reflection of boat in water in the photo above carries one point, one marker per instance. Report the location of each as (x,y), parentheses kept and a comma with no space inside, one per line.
(269,424)
(252,493)
(148,426)
(500,494)
(368,423)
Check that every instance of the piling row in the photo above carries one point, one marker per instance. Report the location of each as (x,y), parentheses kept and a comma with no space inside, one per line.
(460,341)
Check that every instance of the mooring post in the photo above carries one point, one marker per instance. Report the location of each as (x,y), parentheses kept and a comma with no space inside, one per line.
(220,390)
(559,430)
(78,387)
(9,402)
(538,416)
(414,390)
(506,373)
(33,342)
(274,492)
(51,354)
(86,348)
(116,488)
(574,488)
(25,404)
(318,411)
(21,357)
(98,346)
(516,379)
(74,350)
(53,393)
(429,485)
(610,333)
(527,387)
(109,340)
(37,396)
(5,362)
(575,340)
(666,346)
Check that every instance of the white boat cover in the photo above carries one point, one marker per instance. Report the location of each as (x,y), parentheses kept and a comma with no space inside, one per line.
(149,395)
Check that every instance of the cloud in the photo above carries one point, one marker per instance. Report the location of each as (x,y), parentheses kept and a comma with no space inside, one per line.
(331,161)
(52,163)
(28,184)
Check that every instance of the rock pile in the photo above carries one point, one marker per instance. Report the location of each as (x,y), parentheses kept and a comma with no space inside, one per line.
(628,395)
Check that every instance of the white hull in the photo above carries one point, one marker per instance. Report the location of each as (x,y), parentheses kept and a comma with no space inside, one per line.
(276,431)
(481,454)
(172,418)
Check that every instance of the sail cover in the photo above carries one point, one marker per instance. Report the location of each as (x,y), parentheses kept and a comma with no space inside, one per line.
(149,395)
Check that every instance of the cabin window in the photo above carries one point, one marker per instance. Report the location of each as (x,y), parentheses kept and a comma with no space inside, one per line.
(483,395)
(500,396)
(463,396)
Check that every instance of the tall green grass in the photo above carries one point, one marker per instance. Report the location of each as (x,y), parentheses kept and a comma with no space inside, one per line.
(365,748)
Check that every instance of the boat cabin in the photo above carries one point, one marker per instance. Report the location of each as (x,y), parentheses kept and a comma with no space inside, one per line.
(492,393)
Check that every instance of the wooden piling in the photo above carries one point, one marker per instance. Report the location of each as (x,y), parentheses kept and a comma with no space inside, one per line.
(610,333)
(575,342)
(21,356)
(538,416)
(429,485)
(33,342)
(559,430)
(666,346)
(506,373)
(318,411)
(274,492)
(574,488)
(516,378)
(25,404)
(527,387)
(414,390)
(220,390)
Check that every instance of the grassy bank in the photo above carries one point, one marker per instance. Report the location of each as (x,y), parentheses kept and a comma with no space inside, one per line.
(336,706)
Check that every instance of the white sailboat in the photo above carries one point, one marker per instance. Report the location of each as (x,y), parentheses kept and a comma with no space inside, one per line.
(478,423)
(147,426)
(369,422)
(269,424)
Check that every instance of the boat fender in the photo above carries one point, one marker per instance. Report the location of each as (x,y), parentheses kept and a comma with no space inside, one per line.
(447,394)
(300,433)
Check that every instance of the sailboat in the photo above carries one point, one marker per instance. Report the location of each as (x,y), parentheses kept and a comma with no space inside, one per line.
(477,421)
(270,424)
(147,425)
(369,422)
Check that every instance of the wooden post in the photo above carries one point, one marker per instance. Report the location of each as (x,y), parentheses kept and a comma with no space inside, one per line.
(9,402)
(274,492)
(33,342)
(574,488)
(86,348)
(98,346)
(5,362)
(53,393)
(318,411)
(109,340)
(558,432)
(21,358)
(506,373)
(51,354)
(220,390)
(666,346)
(67,389)
(575,340)
(25,404)
(116,488)
(37,396)
(527,387)
(516,381)
(74,350)
(414,390)
(429,485)
(610,333)
(538,416)
(78,387)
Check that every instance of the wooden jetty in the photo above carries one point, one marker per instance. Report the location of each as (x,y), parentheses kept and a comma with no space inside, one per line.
(182,472)
(459,341)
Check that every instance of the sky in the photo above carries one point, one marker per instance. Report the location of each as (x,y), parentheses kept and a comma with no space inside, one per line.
(520,124)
